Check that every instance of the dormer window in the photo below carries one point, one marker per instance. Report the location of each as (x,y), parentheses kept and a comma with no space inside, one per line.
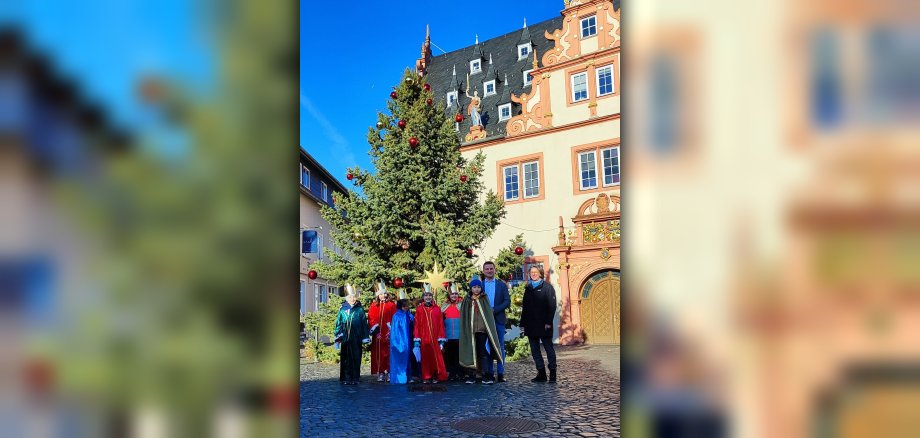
(523,51)
(488,88)
(475,66)
(451,98)
(527,78)
(504,112)
(589,26)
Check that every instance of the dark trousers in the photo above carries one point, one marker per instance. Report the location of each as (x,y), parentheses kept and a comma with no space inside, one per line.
(481,354)
(452,356)
(349,362)
(414,366)
(547,342)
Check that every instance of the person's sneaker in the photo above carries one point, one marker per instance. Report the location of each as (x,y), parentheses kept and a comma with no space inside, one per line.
(470,380)
(380,377)
(501,378)
(386,377)
(488,381)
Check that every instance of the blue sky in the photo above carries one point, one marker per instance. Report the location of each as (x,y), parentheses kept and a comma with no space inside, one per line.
(105,46)
(350,60)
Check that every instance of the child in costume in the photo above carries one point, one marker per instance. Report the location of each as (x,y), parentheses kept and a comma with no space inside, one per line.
(429,336)
(350,332)
(379,316)
(451,311)
(400,347)
(477,329)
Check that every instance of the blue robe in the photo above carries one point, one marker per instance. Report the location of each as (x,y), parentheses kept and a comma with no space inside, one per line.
(400,346)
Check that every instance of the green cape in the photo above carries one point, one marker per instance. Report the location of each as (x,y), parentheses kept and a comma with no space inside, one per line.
(467,341)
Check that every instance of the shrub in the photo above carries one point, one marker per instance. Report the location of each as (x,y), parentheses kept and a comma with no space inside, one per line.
(517,349)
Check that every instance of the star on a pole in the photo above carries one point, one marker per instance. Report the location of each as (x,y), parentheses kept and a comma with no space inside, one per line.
(435,278)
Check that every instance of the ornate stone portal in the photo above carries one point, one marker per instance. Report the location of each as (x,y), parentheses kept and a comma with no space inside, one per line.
(589,263)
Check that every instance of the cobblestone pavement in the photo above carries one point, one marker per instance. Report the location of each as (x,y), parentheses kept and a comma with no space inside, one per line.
(585,401)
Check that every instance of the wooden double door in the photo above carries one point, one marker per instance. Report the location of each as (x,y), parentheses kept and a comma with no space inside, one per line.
(600,308)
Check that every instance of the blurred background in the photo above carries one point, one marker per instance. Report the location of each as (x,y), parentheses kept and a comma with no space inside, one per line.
(771,218)
(148,218)
(772,275)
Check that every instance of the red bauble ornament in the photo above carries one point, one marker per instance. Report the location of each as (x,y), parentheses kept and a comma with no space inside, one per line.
(469,252)
(413,142)
(312,274)
(463,178)
(401,124)
(427,87)
(459,118)
(446,284)
(429,102)
(519,250)
(398,282)
(349,176)
(393,95)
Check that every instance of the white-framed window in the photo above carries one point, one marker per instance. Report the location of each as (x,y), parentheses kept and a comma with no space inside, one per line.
(475,66)
(527,78)
(531,179)
(320,295)
(523,51)
(488,88)
(451,98)
(605,80)
(610,161)
(589,26)
(304,176)
(511,182)
(325,192)
(504,112)
(579,87)
(587,170)
(303,297)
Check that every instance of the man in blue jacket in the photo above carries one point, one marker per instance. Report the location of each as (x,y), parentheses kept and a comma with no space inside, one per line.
(500,299)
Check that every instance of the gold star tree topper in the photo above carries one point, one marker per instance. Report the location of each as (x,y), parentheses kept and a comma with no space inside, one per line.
(436,277)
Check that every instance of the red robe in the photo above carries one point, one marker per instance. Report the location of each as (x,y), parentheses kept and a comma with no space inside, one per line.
(381,316)
(429,329)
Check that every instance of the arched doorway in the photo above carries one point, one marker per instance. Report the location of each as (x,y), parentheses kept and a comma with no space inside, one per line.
(600,308)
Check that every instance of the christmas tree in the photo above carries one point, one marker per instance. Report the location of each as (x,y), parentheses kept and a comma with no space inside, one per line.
(423,211)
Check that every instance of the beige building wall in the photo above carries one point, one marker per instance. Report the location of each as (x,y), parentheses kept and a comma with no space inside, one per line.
(538,220)
(310,218)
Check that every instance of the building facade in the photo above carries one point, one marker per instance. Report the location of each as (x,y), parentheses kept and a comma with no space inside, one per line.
(316,188)
(543,104)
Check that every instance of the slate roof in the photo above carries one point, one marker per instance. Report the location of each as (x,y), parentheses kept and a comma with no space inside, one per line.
(503,50)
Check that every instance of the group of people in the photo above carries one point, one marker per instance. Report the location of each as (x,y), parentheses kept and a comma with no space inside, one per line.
(462,338)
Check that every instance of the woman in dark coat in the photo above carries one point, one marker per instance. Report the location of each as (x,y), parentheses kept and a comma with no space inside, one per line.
(537,314)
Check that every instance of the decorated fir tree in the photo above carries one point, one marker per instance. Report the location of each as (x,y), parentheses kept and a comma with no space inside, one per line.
(422,211)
